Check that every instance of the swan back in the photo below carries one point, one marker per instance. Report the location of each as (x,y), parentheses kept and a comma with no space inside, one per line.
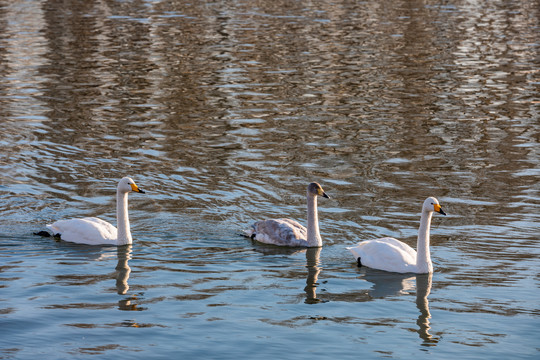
(88,230)
(287,232)
(387,254)
(281,232)
(393,255)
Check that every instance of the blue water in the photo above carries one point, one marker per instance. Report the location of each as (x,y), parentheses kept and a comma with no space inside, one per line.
(223,113)
(225,297)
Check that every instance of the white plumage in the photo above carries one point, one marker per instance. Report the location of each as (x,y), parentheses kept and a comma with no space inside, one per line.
(387,254)
(390,254)
(88,230)
(94,231)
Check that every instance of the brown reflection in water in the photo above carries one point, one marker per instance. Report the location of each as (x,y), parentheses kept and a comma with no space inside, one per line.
(312,265)
(130,304)
(97,67)
(102,349)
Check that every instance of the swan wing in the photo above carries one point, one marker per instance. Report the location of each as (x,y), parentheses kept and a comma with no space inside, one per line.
(89,230)
(282,232)
(403,248)
(387,254)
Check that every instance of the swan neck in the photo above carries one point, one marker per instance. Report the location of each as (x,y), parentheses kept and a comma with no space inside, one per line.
(423,256)
(313,235)
(122,219)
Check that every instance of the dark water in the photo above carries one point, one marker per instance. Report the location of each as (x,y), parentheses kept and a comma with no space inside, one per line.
(224,112)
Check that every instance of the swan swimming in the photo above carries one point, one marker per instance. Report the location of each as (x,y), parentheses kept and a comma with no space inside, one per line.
(390,254)
(94,231)
(287,232)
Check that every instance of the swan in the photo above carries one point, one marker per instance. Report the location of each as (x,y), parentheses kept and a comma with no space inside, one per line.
(287,232)
(94,231)
(389,254)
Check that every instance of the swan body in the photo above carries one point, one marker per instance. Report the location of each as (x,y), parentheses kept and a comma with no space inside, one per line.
(94,231)
(392,255)
(287,232)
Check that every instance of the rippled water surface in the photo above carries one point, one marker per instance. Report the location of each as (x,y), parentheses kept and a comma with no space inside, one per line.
(223,112)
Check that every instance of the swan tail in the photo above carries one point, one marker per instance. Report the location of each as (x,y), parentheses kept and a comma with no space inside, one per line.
(355,251)
(43,233)
(249,233)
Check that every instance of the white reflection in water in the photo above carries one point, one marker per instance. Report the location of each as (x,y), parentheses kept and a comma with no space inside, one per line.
(122,269)
(387,284)
(423,288)
(122,275)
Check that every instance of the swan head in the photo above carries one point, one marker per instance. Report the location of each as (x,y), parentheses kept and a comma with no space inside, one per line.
(127,184)
(316,190)
(432,205)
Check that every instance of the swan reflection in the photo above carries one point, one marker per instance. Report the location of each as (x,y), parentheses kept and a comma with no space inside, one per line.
(423,288)
(388,283)
(122,275)
(123,270)
(312,264)
(391,284)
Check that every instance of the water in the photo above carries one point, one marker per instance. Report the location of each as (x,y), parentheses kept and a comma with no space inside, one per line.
(223,113)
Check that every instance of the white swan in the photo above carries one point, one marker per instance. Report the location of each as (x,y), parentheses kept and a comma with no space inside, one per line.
(94,231)
(287,232)
(393,255)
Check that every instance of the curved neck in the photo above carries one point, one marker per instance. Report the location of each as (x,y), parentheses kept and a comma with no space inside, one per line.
(423,256)
(313,235)
(122,219)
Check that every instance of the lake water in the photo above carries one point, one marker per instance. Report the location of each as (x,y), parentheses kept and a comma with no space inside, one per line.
(224,112)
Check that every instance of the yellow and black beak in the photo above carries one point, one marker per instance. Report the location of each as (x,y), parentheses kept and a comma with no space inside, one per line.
(324,195)
(136,189)
(438,209)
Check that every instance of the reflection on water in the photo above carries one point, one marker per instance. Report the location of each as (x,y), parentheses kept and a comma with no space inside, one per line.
(131,303)
(392,284)
(388,283)
(423,288)
(225,110)
(313,266)
(122,269)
